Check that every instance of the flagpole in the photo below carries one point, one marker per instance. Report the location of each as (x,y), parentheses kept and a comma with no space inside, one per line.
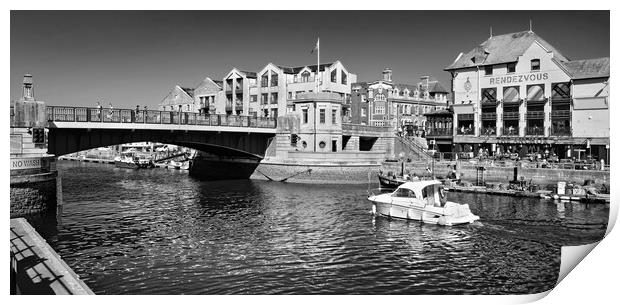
(318,55)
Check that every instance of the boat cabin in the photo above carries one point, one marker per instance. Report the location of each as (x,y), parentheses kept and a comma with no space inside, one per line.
(430,192)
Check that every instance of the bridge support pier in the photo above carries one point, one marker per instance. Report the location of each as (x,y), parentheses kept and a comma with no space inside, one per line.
(212,167)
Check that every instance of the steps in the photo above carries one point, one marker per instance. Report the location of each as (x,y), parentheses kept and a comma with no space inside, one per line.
(417,149)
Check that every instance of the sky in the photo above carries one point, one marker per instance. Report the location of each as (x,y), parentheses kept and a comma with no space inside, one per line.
(130,58)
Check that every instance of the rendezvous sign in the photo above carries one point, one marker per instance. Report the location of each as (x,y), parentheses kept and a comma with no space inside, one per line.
(25,163)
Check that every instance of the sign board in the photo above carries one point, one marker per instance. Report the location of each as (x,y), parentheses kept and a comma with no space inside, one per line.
(25,163)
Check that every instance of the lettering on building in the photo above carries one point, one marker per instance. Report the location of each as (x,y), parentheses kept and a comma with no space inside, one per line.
(25,163)
(514,79)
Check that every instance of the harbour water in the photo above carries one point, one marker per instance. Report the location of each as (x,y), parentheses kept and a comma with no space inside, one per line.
(159,231)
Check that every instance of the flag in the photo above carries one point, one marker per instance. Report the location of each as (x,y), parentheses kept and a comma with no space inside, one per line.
(315,47)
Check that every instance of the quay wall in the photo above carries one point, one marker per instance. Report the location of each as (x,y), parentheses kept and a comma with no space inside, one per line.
(503,174)
(321,172)
(35,193)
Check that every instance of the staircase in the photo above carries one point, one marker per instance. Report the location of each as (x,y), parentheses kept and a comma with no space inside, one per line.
(418,151)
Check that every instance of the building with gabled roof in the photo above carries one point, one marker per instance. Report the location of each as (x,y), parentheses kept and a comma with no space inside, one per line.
(516,93)
(386,103)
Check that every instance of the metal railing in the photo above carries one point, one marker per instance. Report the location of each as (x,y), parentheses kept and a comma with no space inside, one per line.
(489,116)
(464,131)
(439,132)
(510,115)
(130,116)
(535,115)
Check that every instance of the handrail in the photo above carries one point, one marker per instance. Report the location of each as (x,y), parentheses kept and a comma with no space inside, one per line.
(133,116)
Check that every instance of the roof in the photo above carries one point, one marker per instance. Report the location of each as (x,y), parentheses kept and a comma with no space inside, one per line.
(436,87)
(218,82)
(296,70)
(249,74)
(418,185)
(189,91)
(439,113)
(588,68)
(502,49)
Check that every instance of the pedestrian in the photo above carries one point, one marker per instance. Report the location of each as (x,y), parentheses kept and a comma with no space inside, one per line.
(146,115)
(110,111)
(99,109)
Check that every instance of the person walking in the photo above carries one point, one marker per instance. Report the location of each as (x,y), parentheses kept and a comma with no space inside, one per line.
(110,111)
(99,110)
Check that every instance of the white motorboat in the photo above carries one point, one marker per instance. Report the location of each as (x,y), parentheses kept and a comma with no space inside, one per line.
(423,201)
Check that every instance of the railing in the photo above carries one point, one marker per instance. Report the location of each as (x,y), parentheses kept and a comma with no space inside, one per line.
(488,131)
(560,132)
(511,132)
(82,114)
(560,114)
(534,131)
(535,114)
(489,116)
(439,132)
(510,115)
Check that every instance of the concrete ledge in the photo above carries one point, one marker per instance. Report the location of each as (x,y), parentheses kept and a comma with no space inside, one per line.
(36,268)
(33,178)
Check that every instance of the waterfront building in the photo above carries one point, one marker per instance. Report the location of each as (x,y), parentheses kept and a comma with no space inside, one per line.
(267,93)
(386,103)
(517,93)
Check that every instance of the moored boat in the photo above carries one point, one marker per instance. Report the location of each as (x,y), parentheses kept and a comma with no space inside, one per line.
(422,201)
(132,161)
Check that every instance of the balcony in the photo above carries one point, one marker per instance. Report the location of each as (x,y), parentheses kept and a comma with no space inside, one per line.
(238,106)
(510,131)
(534,131)
(229,106)
(560,114)
(535,115)
(560,131)
(510,115)
(439,132)
(488,116)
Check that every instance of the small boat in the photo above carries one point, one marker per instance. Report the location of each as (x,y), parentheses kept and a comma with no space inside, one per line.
(392,182)
(132,161)
(422,201)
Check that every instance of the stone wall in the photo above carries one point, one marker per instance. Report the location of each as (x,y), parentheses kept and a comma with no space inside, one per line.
(33,194)
(321,174)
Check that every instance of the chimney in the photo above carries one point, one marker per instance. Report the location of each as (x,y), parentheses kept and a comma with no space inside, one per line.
(27,89)
(387,75)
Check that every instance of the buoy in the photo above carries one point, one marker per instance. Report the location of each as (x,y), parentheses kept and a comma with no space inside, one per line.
(441,220)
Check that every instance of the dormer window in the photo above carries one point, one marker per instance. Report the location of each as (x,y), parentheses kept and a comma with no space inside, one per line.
(512,67)
(488,70)
(535,64)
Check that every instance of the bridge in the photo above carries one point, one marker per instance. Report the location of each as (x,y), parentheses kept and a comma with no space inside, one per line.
(228,138)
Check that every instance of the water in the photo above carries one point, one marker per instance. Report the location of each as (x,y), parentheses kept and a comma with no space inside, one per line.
(162,232)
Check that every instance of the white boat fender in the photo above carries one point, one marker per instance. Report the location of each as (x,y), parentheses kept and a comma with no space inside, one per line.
(441,220)
(374,209)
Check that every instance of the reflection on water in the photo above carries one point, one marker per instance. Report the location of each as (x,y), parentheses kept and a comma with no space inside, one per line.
(161,232)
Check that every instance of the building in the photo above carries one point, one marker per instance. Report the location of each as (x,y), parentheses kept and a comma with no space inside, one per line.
(267,93)
(516,93)
(385,103)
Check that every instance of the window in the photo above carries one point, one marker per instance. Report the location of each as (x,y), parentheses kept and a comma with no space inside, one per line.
(512,67)
(322,144)
(488,70)
(511,94)
(305,115)
(379,109)
(304,144)
(363,112)
(560,91)
(334,80)
(274,79)
(343,77)
(290,95)
(264,98)
(294,78)
(334,113)
(305,77)
(322,116)
(380,97)
(535,92)
(535,64)
(274,98)
(253,98)
(489,95)
(264,80)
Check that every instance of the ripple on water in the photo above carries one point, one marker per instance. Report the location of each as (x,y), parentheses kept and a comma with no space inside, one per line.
(161,232)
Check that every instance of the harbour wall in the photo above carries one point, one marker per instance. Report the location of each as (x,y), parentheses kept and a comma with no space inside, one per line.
(316,173)
(502,174)
(35,193)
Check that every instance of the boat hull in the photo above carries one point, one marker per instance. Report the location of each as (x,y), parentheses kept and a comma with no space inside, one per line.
(387,182)
(428,215)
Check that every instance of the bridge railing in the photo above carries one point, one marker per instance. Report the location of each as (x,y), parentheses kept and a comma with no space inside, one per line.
(132,116)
